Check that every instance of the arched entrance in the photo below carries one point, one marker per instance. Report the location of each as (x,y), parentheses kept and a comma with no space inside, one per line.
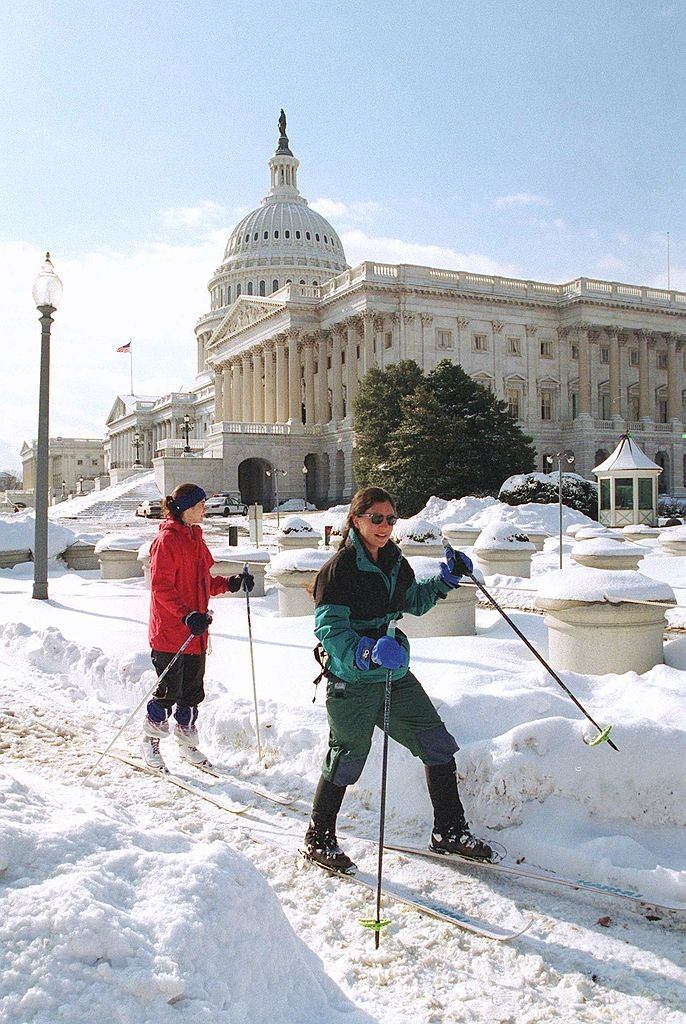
(312,477)
(664,481)
(254,484)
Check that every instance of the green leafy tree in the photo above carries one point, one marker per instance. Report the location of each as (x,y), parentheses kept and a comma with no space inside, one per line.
(450,436)
(377,414)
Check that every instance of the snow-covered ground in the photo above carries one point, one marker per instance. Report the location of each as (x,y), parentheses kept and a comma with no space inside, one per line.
(129,900)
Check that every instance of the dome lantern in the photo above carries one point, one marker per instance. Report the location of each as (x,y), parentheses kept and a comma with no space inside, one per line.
(284,170)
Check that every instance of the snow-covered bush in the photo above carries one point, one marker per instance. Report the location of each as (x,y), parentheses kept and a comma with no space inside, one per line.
(294,525)
(499,536)
(417,530)
(542,489)
(668,506)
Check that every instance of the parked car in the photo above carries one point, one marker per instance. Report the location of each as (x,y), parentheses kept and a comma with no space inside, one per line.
(150,509)
(223,504)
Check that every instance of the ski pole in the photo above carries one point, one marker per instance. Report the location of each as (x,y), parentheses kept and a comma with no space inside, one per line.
(140,704)
(603,734)
(252,659)
(376,924)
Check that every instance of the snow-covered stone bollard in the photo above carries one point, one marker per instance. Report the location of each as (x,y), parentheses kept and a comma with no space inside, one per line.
(297,533)
(81,554)
(574,528)
(639,532)
(672,541)
(597,623)
(460,535)
(118,556)
(537,537)
(604,553)
(455,615)
(502,548)
(229,561)
(294,573)
(592,532)
(418,537)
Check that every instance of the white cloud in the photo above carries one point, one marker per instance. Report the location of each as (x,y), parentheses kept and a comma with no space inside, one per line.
(360,246)
(207,214)
(519,199)
(347,213)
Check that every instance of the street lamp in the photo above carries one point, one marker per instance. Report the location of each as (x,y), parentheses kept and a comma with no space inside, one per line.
(47,292)
(304,472)
(136,443)
(560,457)
(187,425)
(275,473)
(80,485)
(64,489)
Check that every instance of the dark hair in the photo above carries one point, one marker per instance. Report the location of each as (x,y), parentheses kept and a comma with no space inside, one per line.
(169,507)
(362,501)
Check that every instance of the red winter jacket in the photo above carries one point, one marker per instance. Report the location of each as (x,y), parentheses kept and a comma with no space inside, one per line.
(180,583)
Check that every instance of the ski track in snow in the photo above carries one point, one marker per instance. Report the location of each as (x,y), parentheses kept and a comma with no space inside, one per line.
(59,702)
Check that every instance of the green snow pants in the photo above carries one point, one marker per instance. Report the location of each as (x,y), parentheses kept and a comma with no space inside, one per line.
(354,710)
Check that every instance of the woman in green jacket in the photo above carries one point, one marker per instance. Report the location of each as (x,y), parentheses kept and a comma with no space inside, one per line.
(357,594)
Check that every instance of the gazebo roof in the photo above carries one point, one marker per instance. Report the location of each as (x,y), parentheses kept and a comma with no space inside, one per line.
(627,457)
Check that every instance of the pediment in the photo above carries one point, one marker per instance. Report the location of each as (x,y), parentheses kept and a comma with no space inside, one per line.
(245,311)
(117,411)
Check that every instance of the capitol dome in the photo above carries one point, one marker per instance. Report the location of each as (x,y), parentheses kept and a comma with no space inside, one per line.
(283,240)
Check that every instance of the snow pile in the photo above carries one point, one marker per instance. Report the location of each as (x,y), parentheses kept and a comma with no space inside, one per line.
(296,505)
(605,546)
(649,531)
(295,525)
(417,530)
(102,920)
(531,516)
(583,584)
(457,510)
(503,536)
(673,533)
(17,534)
(300,560)
(591,532)
(123,542)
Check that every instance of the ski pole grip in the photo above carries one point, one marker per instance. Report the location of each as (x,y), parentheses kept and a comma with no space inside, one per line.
(460,565)
(245,574)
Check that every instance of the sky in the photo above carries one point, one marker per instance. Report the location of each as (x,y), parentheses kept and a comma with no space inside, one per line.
(526,138)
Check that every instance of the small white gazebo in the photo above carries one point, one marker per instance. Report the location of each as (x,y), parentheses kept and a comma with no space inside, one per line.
(627,486)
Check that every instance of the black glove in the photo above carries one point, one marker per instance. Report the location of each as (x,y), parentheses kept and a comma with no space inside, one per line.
(197,622)
(236,582)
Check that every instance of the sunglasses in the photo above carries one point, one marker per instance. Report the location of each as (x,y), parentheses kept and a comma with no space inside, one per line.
(377,518)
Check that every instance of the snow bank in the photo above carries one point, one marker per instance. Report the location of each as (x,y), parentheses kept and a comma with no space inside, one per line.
(457,510)
(17,534)
(101,920)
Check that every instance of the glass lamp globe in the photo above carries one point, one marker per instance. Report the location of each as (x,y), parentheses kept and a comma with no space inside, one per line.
(47,288)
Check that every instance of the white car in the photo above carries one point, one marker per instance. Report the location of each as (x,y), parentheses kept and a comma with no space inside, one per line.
(225,505)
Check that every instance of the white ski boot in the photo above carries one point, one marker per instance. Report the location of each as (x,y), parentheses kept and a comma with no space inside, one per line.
(157,730)
(187,738)
(150,749)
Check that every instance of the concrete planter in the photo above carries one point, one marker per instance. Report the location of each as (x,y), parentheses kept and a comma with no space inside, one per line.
(8,559)
(455,616)
(606,554)
(294,541)
(505,561)
(673,541)
(461,536)
(295,598)
(229,567)
(537,538)
(415,549)
(637,534)
(81,555)
(119,564)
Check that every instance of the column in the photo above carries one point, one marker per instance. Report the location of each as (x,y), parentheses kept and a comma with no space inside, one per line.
(584,371)
(246,360)
(337,374)
(368,320)
(351,368)
(308,354)
(281,381)
(673,378)
(238,390)
(228,395)
(294,400)
(322,413)
(378,337)
(426,321)
(218,396)
(643,376)
(269,384)
(257,386)
(615,382)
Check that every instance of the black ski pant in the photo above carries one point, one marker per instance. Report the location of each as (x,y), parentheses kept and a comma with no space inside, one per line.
(183,684)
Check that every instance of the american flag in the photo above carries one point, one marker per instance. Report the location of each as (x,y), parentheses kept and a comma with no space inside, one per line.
(125,348)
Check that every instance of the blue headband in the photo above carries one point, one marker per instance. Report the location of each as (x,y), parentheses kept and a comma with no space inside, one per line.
(189,499)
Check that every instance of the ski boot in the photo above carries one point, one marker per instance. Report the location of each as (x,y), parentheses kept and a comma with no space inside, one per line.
(460,840)
(187,739)
(150,749)
(156,722)
(322,848)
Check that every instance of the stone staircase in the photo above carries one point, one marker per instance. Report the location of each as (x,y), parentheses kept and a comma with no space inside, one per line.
(113,505)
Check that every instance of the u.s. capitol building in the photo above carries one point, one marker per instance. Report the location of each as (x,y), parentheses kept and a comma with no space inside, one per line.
(292,329)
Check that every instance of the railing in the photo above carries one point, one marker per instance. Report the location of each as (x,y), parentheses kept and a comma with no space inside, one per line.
(603,424)
(171,445)
(663,428)
(248,428)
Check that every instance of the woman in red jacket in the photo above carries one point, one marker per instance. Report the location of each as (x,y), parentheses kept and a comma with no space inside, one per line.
(180,589)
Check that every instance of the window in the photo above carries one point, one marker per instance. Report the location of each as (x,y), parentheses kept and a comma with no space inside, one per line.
(343,358)
(575,351)
(513,396)
(249,287)
(79,462)
(247,238)
(604,355)
(605,413)
(662,410)
(287,234)
(480,343)
(316,236)
(662,360)
(633,357)
(238,290)
(546,349)
(624,493)
(275,285)
(308,236)
(297,234)
(633,407)
(328,362)
(388,339)
(326,241)
(546,405)
(302,280)
(575,405)
(276,234)
(94,462)
(315,283)
(513,346)
(265,235)
(254,237)
(445,339)
(645,494)
(605,495)
(228,295)
(263,287)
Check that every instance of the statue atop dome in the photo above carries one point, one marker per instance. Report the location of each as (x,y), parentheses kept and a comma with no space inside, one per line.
(283,147)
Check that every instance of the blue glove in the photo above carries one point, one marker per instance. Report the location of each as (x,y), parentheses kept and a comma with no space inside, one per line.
(363,653)
(453,569)
(388,653)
